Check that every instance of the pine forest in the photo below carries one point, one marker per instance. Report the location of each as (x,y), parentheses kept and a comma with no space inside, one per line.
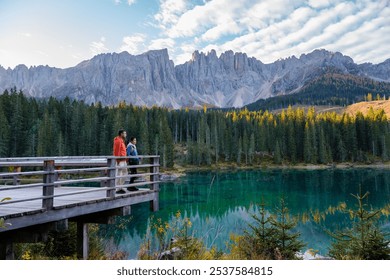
(33,127)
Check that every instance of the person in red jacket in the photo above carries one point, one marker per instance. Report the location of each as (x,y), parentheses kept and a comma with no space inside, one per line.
(119,150)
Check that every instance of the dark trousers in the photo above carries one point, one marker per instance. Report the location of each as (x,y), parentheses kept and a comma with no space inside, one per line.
(132,172)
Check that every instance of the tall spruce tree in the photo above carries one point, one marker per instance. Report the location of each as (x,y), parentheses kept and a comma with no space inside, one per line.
(365,240)
(4,133)
(286,238)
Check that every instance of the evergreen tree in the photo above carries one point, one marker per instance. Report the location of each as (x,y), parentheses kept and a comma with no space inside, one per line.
(277,154)
(251,151)
(207,136)
(291,145)
(259,241)
(245,147)
(167,147)
(144,147)
(4,133)
(239,150)
(364,240)
(322,155)
(307,150)
(287,241)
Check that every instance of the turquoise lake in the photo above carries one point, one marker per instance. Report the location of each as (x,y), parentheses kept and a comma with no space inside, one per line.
(221,203)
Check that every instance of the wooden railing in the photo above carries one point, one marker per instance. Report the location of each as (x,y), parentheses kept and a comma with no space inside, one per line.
(49,173)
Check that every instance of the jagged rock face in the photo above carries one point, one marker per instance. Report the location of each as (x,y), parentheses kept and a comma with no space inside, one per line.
(232,79)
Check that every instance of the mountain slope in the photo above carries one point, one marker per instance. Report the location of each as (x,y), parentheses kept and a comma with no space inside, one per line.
(327,89)
(230,80)
(364,107)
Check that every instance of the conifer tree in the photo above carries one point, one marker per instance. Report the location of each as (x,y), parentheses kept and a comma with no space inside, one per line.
(4,133)
(239,150)
(364,240)
(322,156)
(258,242)
(307,151)
(277,153)
(251,151)
(286,240)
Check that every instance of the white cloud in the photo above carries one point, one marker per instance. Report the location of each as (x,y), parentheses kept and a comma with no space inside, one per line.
(319,3)
(374,46)
(170,11)
(162,44)
(220,30)
(129,2)
(270,31)
(98,47)
(201,18)
(134,44)
(265,29)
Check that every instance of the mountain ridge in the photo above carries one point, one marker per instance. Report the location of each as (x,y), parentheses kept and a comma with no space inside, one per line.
(152,78)
(330,89)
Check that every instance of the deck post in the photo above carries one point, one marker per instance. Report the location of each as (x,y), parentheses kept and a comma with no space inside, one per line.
(16,178)
(7,251)
(111,164)
(57,175)
(154,204)
(82,241)
(48,187)
(103,183)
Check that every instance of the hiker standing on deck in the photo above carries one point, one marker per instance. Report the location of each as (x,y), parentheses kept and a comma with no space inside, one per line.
(132,151)
(120,151)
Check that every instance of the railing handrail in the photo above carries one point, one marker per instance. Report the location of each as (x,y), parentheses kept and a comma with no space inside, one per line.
(74,157)
(50,176)
(66,161)
(75,171)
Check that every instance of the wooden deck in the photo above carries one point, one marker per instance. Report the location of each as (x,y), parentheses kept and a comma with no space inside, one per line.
(66,205)
(61,195)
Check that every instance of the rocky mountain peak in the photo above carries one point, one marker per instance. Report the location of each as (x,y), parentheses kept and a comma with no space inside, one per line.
(151,78)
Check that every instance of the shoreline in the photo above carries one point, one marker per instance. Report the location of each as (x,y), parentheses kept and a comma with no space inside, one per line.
(179,171)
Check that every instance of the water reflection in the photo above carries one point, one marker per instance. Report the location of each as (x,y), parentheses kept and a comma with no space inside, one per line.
(221,203)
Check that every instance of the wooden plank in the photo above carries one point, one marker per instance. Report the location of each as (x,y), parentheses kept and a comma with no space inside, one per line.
(32,212)
(67,200)
(7,212)
(60,214)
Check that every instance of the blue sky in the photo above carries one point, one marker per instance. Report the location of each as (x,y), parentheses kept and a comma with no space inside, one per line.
(63,33)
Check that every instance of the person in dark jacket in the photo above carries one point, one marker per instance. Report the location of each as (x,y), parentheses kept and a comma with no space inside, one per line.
(132,151)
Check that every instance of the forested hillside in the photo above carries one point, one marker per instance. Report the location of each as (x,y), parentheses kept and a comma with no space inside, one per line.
(32,127)
(329,89)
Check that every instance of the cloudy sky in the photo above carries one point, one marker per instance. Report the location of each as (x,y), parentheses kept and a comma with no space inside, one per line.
(62,33)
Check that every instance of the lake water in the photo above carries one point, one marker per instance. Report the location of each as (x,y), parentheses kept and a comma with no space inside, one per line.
(221,203)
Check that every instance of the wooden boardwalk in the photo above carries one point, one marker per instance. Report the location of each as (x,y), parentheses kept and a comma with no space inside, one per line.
(61,195)
(20,214)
